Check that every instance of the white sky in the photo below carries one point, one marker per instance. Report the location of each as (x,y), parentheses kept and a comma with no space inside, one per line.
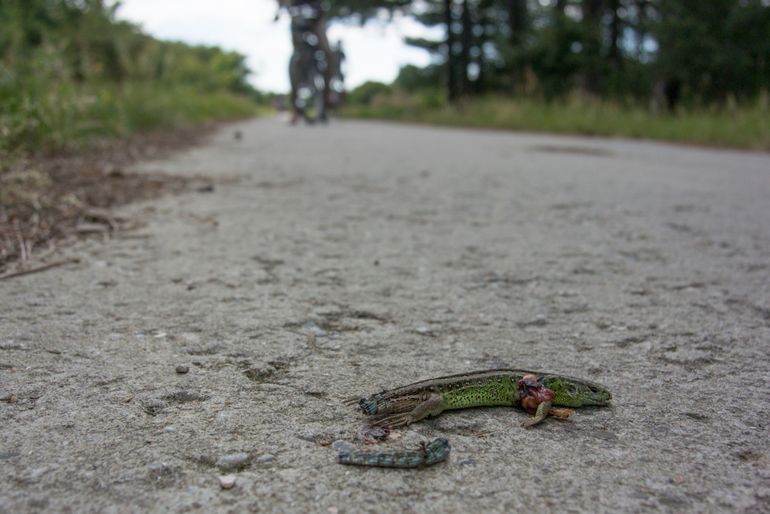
(374,52)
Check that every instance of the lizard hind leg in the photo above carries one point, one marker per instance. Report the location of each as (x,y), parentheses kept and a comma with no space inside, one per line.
(377,406)
(433,406)
(398,405)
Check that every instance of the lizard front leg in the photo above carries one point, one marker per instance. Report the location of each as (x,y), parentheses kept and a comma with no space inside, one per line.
(432,406)
(540,414)
(536,398)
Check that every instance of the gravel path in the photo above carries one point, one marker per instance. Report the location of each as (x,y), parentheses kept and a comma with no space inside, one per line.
(336,261)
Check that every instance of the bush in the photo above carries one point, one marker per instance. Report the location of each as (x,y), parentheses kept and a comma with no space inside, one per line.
(366,92)
(69,72)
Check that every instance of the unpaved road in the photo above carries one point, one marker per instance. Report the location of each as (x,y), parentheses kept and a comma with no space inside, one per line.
(338,261)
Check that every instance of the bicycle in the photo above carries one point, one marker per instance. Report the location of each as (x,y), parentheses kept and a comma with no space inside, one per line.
(307,69)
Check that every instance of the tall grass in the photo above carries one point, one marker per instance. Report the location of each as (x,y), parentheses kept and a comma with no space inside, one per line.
(53,118)
(738,126)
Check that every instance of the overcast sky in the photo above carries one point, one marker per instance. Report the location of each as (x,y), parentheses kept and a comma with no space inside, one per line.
(374,52)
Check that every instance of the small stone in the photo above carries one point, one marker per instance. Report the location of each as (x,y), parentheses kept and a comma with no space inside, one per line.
(313,327)
(227,481)
(181,369)
(307,436)
(169,429)
(341,446)
(7,397)
(264,459)
(425,331)
(233,461)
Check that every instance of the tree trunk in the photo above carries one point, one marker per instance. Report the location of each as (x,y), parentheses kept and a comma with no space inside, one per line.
(465,52)
(517,20)
(592,16)
(615,29)
(450,55)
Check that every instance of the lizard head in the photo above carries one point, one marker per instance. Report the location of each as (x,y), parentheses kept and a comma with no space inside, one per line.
(573,392)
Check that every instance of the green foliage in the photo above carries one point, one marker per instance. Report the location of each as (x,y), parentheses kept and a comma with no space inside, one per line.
(366,92)
(413,78)
(739,126)
(612,49)
(363,9)
(70,71)
(717,48)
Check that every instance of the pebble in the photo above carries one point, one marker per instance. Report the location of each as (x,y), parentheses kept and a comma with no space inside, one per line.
(425,331)
(341,446)
(233,461)
(181,369)
(169,428)
(264,459)
(227,481)
(313,327)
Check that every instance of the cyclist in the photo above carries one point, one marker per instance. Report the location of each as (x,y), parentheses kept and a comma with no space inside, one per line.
(307,14)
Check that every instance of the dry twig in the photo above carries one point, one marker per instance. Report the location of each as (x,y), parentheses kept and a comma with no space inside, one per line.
(40,268)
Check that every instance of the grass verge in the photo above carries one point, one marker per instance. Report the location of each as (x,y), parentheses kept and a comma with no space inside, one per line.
(734,126)
(45,119)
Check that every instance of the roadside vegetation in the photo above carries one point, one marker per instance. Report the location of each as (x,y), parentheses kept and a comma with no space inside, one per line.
(733,125)
(70,72)
(676,70)
(83,94)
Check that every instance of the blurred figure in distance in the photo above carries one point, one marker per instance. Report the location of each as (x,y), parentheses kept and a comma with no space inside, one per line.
(307,14)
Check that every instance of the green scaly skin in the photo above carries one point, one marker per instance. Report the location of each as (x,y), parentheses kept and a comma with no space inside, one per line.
(500,387)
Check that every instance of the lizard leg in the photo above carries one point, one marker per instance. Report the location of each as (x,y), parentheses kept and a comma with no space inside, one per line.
(560,413)
(540,414)
(433,406)
(398,405)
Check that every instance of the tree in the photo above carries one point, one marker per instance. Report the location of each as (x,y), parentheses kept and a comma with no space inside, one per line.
(617,48)
(715,48)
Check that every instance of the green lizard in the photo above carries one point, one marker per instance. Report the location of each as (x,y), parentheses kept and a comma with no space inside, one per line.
(536,392)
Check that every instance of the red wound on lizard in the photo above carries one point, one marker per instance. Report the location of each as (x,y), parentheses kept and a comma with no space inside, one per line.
(532,393)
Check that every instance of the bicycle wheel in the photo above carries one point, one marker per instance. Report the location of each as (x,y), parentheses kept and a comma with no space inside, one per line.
(310,93)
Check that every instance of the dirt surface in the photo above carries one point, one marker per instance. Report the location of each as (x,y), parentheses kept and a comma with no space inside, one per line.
(336,261)
(46,200)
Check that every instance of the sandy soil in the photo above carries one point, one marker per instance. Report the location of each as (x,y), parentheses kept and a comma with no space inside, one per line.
(336,261)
